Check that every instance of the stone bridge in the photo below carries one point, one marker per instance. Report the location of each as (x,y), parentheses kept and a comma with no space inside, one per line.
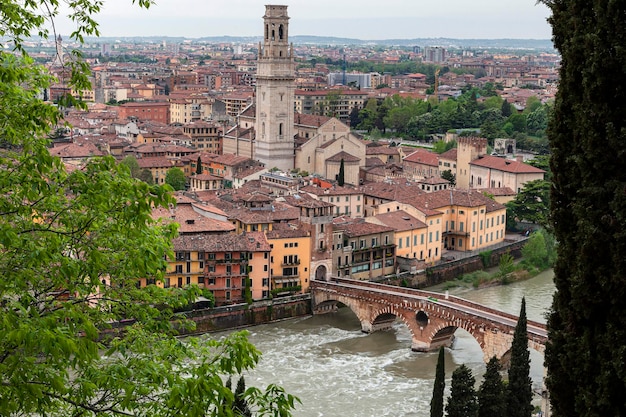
(432,318)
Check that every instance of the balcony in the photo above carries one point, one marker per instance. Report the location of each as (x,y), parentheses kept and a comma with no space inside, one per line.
(230,261)
(293,263)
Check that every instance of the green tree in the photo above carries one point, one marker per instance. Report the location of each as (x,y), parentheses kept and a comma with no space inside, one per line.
(585,354)
(132,164)
(506,264)
(146,176)
(341,175)
(448,175)
(535,252)
(74,244)
(506,109)
(436,402)
(492,392)
(199,166)
(462,401)
(519,390)
(240,405)
(532,203)
(175,177)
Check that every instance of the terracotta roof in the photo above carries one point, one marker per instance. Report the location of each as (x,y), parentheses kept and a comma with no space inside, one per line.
(451,197)
(449,154)
(191,221)
(421,156)
(305,201)
(498,191)
(76,150)
(310,120)
(391,191)
(381,150)
(347,158)
(373,162)
(400,221)
(505,165)
(247,242)
(359,227)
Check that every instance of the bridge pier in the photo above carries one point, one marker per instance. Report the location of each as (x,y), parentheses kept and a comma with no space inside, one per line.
(370,327)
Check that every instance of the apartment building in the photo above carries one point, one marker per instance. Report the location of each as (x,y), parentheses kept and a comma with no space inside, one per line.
(362,250)
(290,259)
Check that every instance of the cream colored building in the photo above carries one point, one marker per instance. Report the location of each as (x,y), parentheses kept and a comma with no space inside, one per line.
(323,152)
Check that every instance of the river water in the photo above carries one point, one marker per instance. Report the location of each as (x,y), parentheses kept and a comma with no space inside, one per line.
(336,370)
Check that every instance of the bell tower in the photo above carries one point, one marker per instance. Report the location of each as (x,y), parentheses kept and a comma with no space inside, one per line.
(275,86)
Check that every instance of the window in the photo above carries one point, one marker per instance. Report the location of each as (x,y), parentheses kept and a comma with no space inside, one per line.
(460,226)
(407,241)
(430,238)
(211,256)
(399,243)
(179,269)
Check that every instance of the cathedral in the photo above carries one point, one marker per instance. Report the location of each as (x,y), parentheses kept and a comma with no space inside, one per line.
(270,130)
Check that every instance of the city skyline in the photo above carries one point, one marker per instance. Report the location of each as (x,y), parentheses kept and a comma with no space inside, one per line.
(365,20)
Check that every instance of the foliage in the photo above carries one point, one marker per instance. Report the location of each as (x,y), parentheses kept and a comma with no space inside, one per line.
(74,244)
(485,256)
(132,164)
(175,177)
(449,176)
(506,264)
(536,252)
(492,393)
(436,403)
(146,176)
(532,203)
(462,401)
(199,166)
(519,388)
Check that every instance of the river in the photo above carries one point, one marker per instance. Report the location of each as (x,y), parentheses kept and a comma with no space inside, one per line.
(336,370)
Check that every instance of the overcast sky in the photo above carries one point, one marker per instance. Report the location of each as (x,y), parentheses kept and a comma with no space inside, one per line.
(361,19)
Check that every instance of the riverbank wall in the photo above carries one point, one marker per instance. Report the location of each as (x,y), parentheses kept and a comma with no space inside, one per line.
(449,270)
(244,315)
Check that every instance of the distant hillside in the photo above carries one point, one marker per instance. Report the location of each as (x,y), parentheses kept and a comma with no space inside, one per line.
(535,44)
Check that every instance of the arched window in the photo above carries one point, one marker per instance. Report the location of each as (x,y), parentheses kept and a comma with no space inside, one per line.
(267,31)
(280,129)
(280,32)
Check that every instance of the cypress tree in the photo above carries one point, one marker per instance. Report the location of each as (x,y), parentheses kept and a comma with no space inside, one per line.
(492,394)
(240,405)
(462,401)
(586,351)
(436,403)
(341,176)
(199,166)
(519,390)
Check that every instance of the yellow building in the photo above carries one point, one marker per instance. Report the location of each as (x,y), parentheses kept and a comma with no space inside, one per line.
(290,259)
(411,235)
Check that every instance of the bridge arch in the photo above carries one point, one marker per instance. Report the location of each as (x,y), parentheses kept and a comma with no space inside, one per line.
(432,322)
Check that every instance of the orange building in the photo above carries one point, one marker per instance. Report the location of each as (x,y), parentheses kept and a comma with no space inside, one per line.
(290,259)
